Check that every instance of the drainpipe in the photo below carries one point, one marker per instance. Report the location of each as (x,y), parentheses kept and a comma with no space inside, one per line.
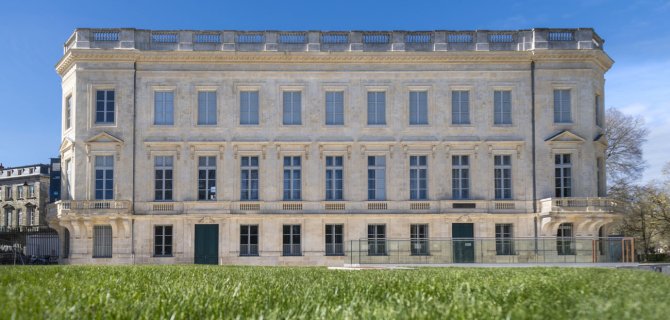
(533,154)
(132,204)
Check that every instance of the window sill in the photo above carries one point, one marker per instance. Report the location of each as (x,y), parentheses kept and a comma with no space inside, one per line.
(249,255)
(334,254)
(163,256)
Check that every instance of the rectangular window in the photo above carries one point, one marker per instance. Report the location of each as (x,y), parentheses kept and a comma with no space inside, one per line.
(162,241)
(460,177)
(102,241)
(418,107)
(207,178)
(376,178)
(334,240)
(600,176)
(334,178)
(565,240)
(418,177)
(249,114)
(207,108)
(292,178)
(502,177)
(164,108)
(334,108)
(104,106)
(376,107)
(249,240)
(68,112)
(562,106)
(104,177)
(502,107)
(19,192)
(504,242)
(460,107)
(31,191)
(9,212)
(249,179)
(597,113)
(163,178)
(376,239)
(68,176)
(419,239)
(292,108)
(30,211)
(19,217)
(8,193)
(291,240)
(563,175)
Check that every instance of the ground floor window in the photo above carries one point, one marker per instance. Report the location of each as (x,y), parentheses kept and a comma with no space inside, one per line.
(419,239)
(163,241)
(102,241)
(565,240)
(377,239)
(334,240)
(66,243)
(504,242)
(291,240)
(248,240)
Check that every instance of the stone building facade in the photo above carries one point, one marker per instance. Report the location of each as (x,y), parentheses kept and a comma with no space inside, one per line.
(24,194)
(303,147)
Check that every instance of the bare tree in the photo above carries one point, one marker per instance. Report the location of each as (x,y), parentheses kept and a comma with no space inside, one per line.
(625,135)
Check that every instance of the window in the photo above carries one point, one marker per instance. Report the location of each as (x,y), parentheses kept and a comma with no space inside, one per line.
(19,217)
(19,192)
(164,108)
(207,108)
(9,212)
(502,177)
(8,193)
(104,106)
(68,112)
(460,107)
(249,178)
(68,179)
(562,106)
(66,243)
(376,239)
(502,107)
(565,240)
(104,177)
(334,240)
(563,175)
(249,108)
(597,113)
(163,178)
(30,219)
(102,241)
(418,107)
(376,107)
(419,239)
(292,108)
(248,240)
(504,242)
(291,240)
(418,177)
(460,177)
(31,191)
(334,178)
(292,178)
(207,178)
(376,177)
(600,177)
(334,108)
(162,241)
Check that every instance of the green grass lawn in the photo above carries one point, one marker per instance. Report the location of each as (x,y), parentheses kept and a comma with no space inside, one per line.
(195,292)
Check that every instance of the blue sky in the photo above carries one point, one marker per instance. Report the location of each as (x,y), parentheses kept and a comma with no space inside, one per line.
(637,35)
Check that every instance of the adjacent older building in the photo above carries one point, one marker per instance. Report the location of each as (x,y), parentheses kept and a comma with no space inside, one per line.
(24,194)
(334,147)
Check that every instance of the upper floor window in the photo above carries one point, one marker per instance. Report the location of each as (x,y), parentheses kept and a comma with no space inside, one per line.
(460,177)
(334,108)
(163,178)
(9,220)
(376,177)
(104,177)
(502,107)
(502,177)
(418,177)
(249,178)
(600,176)
(207,178)
(19,192)
(104,106)
(8,193)
(249,108)
(292,107)
(563,175)
(68,112)
(376,107)
(460,107)
(334,178)
(418,107)
(207,108)
(163,108)
(597,112)
(31,191)
(292,178)
(562,106)
(30,219)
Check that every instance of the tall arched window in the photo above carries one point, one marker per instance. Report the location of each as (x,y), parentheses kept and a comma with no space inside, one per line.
(565,240)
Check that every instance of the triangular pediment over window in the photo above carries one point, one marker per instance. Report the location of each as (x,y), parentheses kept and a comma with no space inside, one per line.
(66,144)
(565,136)
(104,137)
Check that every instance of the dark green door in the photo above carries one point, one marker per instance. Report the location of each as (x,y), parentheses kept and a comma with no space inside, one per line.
(206,244)
(464,244)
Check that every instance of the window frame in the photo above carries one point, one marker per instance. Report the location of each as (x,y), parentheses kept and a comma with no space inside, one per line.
(570,100)
(249,91)
(249,235)
(105,168)
(207,91)
(294,249)
(164,168)
(562,166)
(294,181)
(163,245)
(331,183)
(163,90)
(367,102)
(67,125)
(94,102)
(419,239)
(460,167)
(333,247)
(376,168)
(250,168)
(499,180)
(343,94)
(377,239)
(103,250)
(502,92)
(453,112)
(417,91)
(504,236)
(565,243)
(418,168)
(207,168)
(292,90)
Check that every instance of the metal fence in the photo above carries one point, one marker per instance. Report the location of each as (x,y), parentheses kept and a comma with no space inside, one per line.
(491,250)
(29,245)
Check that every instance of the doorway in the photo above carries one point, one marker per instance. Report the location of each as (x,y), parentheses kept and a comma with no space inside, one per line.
(464,242)
(206,244)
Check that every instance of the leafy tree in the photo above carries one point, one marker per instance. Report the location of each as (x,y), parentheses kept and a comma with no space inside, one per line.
(625,136)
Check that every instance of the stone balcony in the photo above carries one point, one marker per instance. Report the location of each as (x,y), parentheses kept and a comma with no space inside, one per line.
(334,41)
(559,206)
(64,208)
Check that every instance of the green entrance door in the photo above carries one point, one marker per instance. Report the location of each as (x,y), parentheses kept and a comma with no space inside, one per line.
(464,244)
(206,244)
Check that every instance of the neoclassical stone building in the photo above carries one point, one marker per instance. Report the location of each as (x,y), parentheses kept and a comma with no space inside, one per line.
(24,194)
(333,147)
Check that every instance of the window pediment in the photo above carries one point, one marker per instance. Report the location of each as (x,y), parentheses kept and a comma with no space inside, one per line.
(565,136)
